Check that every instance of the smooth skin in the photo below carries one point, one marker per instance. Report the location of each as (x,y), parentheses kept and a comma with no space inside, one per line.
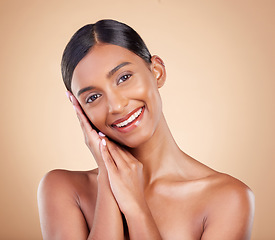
(145,187)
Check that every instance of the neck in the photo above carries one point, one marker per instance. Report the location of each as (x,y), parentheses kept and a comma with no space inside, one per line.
(159,155)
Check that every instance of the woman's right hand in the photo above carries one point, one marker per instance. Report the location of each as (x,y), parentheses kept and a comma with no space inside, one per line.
(92,138)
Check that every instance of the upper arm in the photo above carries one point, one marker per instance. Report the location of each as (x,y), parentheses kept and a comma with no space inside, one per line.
(231,214)
(60,215)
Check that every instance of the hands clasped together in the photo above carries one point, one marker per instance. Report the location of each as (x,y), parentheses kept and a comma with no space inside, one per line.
(123,170)
(118,188)
(120,177)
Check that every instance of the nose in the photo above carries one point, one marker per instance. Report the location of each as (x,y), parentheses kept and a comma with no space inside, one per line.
(116,102)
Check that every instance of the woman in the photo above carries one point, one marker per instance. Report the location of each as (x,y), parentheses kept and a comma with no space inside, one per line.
(145,187)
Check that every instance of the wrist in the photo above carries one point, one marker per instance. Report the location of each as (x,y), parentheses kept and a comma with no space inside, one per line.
(102,174)
(141,223)
(136,210)
(103,182)
(102,178)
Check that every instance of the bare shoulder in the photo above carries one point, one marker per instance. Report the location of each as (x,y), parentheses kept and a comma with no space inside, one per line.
(230,208)
(70,186)
(68,181)
(227,188)
(61,202)
(66,177)
(219,185)
(227,203)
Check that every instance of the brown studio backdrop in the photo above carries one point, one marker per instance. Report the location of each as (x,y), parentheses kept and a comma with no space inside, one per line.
(218,98)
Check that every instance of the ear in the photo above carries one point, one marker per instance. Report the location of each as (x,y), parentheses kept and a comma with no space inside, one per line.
(158,70)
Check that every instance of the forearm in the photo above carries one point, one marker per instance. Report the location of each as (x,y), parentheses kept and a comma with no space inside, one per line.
(107,222)
(142,225)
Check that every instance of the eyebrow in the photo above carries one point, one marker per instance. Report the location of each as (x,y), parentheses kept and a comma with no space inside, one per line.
(117,68)
(108,76)
(84,90)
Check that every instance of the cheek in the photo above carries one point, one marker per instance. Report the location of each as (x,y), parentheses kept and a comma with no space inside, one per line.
(96,116)
(148,92)
(151,95)
(145,88)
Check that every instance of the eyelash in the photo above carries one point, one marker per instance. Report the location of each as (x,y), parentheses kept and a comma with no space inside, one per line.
(92,96)
(120,80)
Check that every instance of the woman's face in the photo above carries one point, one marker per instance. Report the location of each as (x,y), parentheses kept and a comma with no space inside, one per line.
(119,93)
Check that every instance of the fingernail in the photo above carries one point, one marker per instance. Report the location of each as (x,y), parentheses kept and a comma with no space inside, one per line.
(103,142)
(68,95)
(71,99)
(101,134)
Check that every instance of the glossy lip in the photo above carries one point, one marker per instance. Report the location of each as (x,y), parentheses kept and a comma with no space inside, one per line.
(132,125)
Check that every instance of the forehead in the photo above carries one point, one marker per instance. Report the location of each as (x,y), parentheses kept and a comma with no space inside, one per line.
(101,59)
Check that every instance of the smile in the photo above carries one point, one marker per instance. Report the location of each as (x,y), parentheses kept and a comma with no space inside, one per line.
(131,120)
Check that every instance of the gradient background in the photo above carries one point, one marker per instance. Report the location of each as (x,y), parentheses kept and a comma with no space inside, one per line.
(218,99)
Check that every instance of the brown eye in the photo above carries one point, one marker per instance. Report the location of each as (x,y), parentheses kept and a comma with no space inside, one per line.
(124,78)
(93,97)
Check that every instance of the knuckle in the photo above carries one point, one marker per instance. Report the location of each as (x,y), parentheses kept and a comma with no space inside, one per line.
(112,148)
(127,171)
(133,165)
(82,125)
(140,165)
(88,141)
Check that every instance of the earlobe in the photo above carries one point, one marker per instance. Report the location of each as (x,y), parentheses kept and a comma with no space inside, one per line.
(158,69)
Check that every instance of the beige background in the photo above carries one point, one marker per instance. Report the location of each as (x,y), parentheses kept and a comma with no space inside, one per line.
(218,99)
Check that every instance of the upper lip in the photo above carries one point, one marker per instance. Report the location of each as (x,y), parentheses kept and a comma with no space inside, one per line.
(125,117)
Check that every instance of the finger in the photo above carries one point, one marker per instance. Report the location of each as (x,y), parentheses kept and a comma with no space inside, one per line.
(108,160)
(80,113)
(102,135)
(127,155)
(82,117)
(91,136)
(131,162)
(74,101)
(121,160)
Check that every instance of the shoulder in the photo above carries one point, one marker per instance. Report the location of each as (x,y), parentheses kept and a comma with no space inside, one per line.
(224,188)
(230,207)
(69,176)
(219,186)
(66,179)
(66,185)
(60,194)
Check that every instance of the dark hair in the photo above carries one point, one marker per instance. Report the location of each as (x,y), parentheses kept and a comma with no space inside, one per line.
(103,31)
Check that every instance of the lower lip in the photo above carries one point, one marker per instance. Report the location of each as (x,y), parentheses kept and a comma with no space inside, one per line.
(131,126)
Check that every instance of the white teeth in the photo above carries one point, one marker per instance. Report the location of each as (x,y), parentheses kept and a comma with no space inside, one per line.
(130,119)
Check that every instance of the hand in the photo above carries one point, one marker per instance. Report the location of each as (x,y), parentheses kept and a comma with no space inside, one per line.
(107,220)
(125,174)
(92,138)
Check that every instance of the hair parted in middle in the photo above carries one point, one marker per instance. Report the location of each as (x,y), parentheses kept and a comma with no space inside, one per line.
(104,31)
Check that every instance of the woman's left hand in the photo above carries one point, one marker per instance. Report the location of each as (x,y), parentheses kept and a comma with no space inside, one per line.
(125,174)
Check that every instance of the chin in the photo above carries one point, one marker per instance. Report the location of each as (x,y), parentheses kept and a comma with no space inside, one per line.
(136,140)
